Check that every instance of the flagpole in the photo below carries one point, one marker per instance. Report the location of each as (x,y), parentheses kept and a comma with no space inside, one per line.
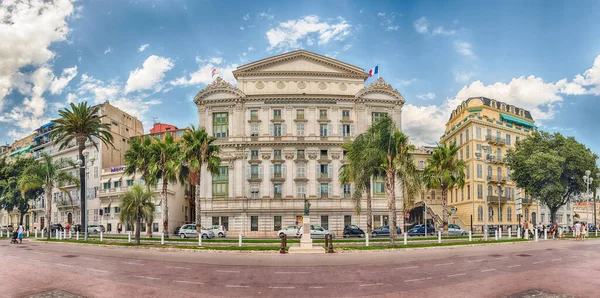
(378,72)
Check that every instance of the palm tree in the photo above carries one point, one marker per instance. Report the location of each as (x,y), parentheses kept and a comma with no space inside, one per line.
(138,157)
(48,174)
(200,151)
(80,124)
(445,171)
(135,205)
(166,165)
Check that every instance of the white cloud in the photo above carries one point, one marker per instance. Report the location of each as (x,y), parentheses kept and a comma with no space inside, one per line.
(590,78)
(289,35)
(204,73)
(149,76)
(381,14)
(463,76)
(266,15)
(442,31)
(426,96)
(392,28)
(246,17)
(464,48)
(421,25)
(107,51)
(26,32)
(241,28)
(143,47)
(405,82)
(59,83)
(387,20)
(250,49)
(346,47)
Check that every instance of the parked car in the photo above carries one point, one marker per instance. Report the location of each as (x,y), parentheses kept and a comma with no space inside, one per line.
(177,230)
(353,231)
(315,232)
(384,231)
(3,229)
(455,230)
(219,231)
(189,231)
(76,228)
(290,231)
(419,230)
(94,229)
(55,227)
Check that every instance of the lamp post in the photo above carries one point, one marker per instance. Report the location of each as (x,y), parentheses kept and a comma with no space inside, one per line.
(499,207)
(486,150)
(587,180)
(82,165)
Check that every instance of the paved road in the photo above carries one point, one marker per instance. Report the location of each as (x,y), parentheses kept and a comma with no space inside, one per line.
(565,267)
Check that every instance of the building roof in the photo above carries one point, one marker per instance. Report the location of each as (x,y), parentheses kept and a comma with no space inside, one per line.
(488,102)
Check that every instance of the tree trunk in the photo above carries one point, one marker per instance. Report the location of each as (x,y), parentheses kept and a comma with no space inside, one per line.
(369,209)
(553,211)
(138,228)
(389,191)
(21,217)
(149,228)
(445,210)
(165,210)
(82,188)
(197,201)
(48,212)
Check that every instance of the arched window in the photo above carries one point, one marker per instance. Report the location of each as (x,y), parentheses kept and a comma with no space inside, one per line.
(498,154)
(526,214)
(499,173)
(489,172)
(479,213)
(490,191)
(509,214)
(491,213)
(533,217)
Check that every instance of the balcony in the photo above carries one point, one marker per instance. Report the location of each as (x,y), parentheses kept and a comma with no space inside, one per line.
(301,156)
(497,160)
(64,203)
(277,195)
(497,179)
(496,199)
(527,201)
(277,156)
(323,195)
(495,141)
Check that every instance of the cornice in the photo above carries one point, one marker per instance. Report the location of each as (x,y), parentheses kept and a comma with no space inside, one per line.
(483,123)
(380,86)
(300,74)
(299,143)
(218,86)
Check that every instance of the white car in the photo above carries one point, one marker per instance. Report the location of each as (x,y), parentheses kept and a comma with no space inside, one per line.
(219,231)
(93,229)
(455,230)
(189,231)
(315,232)
(290,231)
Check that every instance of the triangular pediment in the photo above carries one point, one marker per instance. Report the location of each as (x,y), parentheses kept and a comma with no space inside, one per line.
(300,62)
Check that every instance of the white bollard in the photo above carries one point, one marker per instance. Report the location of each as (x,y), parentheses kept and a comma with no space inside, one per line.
(77,235)
(470,236)
(162,238)
(1,233)
(509,232)
(367,239)
(439,236)
(535,236)
(496,235)
(573,233)
(64,234)
(405,239)
(526,234)
(199,240)
(27,233)
(42,233)
(57,234)
(101,236)
(70,234)
(35,233)
(500,234)
(545,234)
(518,233)
(129,236)
(596,232)
(240,240)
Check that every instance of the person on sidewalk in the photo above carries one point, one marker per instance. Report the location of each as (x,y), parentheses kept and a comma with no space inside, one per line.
(20,231)
(555,228)
(540,230)
(68,228)
(577,228)
(525,228)
(583,232)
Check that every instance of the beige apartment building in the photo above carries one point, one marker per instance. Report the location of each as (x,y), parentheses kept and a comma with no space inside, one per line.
(280,132)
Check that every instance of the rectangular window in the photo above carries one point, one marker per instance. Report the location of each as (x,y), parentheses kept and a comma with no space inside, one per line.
(300,114)
(106,185)
(225,222)
(255,190)
(300,190)
(106,210)
(277,114)
(478,133)
(462,194)
(95,172)
(276,223)
(323,171)
(479,191)
(323,114)
(154,227)
(347,190)
(498,135)
(254,172)
(277,190)
(467,152)
(277,154)
(467,135)
(277,130)
(508,139)
(325,222)
(468,170)
(300,129)
(347,220)
(118,184)
(323,130)
(277,173)
(300,154)
(479,148)
(215,221)
(253,114)
(324,154)
(346,130)
(461,154)
(379,186)
(220,125)
(254,129)
(460,138)
(117,210)
(129,182)
(301,170)
(221,183)
(254,154)
(254,223)
(377,116)
(518,138)
(489,133)
(468,192)
(345,114)
(324,189)
(421,165)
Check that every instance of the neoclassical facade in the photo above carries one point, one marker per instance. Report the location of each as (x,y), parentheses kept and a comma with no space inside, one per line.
(280,131)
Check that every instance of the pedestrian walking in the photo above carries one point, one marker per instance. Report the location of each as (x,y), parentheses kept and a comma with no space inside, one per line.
(68,228)
(555,228)
(119,228)
(20,235)
(577,228)
(583,232)
(540,230)
(525,228)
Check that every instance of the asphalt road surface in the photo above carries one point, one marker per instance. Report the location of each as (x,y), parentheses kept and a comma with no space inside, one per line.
(564,267)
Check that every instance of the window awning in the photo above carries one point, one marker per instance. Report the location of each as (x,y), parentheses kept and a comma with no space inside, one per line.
(106,180)
(20,151)
(516,121)
(47,124)
(105,204)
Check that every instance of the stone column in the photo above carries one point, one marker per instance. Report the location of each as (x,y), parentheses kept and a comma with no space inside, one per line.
(312,177)
(265,186)
(336,172)
(289,175)
(312,128)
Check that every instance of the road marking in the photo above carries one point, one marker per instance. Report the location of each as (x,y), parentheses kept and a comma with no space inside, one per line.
(228,271)
(502,258)
(282,287)
(556,259)
(58,264)
(409,267)
(91,259)
(370,285)
(315,287)
(419,279)
(445,264)
(189,282)
(40,253)
(458,274)
(477,261)
(97,270)
(132,263)
(175,267)
(146,277)
(572,257)
(534,263)
(513,266)
(488,270)
(236,286)
(32,260)
(284,272)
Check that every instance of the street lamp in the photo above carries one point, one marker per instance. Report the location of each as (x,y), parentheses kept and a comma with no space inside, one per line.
(486,149)
(81,165)
(587,180)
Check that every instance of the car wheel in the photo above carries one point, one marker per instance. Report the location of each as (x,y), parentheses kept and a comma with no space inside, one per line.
(204,236)
(374,235)
(182,236)
(346,235)
(281,235)
(221,235)
(463,234)
(361,235)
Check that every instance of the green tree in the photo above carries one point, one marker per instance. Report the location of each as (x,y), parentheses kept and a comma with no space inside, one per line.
(79,124)
(200,151)
(136,204)
(445,171)
(550,167)
(11,196)
(47,174)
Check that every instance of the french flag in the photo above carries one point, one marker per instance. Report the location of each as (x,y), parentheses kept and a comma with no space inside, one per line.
(374,71)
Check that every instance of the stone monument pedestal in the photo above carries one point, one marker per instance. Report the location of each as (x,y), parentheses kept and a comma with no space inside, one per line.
(306,245)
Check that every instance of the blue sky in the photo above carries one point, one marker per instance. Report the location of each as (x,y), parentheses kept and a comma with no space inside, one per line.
(151,57)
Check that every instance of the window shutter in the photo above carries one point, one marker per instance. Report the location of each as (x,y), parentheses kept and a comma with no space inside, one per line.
(351,189)
(329,191)
(342,192)
(329,128)
(283,129)
(260,171)
(352,130)
(248,170)
(283,170)
(329,171)
(271,171)
(271,131)
(318,190)
(318,172)
(341,129)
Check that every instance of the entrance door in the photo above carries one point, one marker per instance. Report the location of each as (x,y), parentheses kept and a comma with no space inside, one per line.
(27,222)
(386,220)
(299,220)
(41,223)
(70,218)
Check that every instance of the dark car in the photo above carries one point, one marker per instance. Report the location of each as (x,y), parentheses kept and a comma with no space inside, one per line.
(353,231)
(419,230)
(55,227)
(177,230)
(384,231)
(76,228)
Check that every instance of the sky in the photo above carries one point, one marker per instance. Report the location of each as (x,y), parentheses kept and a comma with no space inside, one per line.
(151,57)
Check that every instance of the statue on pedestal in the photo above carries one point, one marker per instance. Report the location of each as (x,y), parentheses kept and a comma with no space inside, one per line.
(306,207)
